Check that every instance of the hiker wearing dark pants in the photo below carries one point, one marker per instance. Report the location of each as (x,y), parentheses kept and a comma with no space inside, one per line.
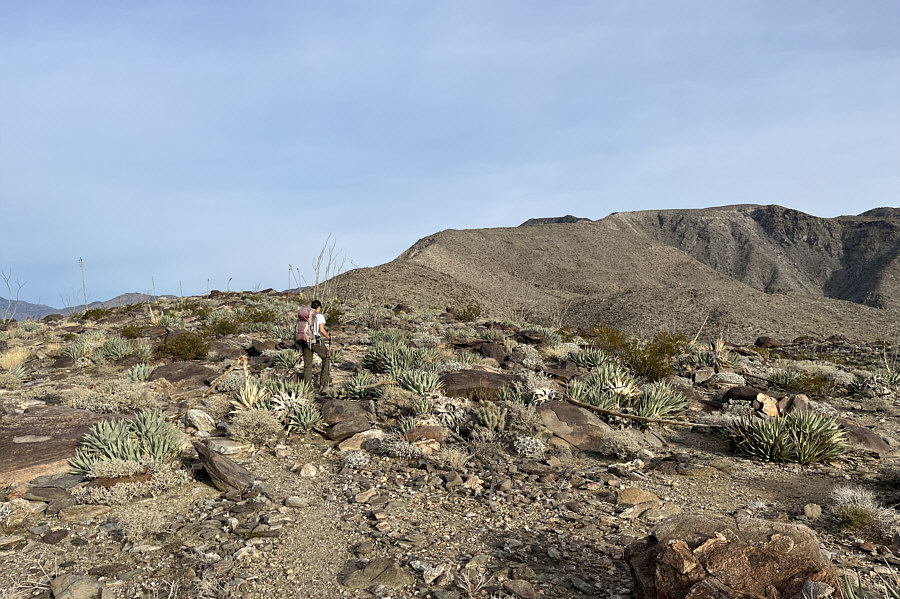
(317,347)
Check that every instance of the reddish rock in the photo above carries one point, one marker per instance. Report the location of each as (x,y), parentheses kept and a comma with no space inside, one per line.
(574,425)
(435,433)
(183,371)
(476,384)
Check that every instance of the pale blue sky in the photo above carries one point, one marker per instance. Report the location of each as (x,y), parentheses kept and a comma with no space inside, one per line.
(186,141)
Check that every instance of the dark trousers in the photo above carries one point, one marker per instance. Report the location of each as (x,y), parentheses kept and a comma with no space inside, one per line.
(322,352)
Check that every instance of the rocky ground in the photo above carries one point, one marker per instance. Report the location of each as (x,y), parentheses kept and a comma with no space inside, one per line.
(385,499)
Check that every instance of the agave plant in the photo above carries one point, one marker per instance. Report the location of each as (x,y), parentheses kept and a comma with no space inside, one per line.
(285,332)
(249,397)
(659,400)
(140,372)
(115,348)
(803,437)
(515,392)
(281,404)
(275,385)
(149,437)
(616,380)
(420,382)
(287,359)
(76,350)
(303,418)
(590,358)
(362,385)
(19,372)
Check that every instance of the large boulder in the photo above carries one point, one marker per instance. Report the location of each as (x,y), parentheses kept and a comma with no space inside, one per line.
(576,426)
(697,555)
(476,384)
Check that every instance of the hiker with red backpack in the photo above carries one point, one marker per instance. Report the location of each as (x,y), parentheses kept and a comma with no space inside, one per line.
(310,331)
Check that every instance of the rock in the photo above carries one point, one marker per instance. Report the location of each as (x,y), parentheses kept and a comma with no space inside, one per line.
(690,555)
(83,513)
(226,349)
(358,441)
(701,375)
(791,403)
(631,496)
(227,446)
(62,481)
(766,404)
(452,480)
(297,502)
(200,420)
(72,586)
(435,433)
(226,475)
(529,337)
(347,428)
(379,572)
(20,462)
(495,351)
(520,588)
(309,471)
(335,411)
(258,346)
(724,379)
(742,393)
(565,372)
(813,511)
(54,536)
(64,362)
(476,384)
(767,342)
(177,372)
(863,439)
(11,541)
(575,425)
(47,494)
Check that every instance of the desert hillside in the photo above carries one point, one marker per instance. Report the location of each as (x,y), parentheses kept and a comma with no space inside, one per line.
(615,270)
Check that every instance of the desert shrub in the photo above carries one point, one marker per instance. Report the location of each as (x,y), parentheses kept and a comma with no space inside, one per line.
(217,406)
(356,460)
(856,509)
(224,325)
(654,359)
(607,338)
(799,381)
(803,437)
(333,314)
(9,381)
(419,381)
(96,314)
(256,426)
(162,479)
(14,357)
(622,443)
(140,372)
(522,418)
(452,457)
(233,381)
(132,331)
(147,438)
(112,400)
(659,400)
(185,345)
(396,446)
(468,313)
(530,447)
(303,418)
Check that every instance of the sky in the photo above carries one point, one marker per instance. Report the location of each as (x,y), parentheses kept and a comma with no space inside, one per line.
(177,147)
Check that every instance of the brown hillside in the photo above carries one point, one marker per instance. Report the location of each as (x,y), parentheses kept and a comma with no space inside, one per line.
(601,274)
(778,250)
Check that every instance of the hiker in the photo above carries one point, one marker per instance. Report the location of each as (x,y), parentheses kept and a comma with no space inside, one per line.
(310,331)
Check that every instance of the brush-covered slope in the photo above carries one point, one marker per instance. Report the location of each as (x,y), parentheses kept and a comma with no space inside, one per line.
(777,250)
(599,273)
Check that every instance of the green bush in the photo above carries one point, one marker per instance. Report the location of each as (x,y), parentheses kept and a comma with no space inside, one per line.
(133,331)
(96,314)
(185,345)
(468,313)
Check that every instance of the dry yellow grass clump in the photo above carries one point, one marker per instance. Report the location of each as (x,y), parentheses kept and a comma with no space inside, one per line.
(13,357)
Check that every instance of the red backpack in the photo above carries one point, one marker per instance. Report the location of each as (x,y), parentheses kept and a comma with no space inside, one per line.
(306,318)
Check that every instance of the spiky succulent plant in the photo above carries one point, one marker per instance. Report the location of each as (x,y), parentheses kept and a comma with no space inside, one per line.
(491,416)
(590,358)
(362,385)
(616,380)
(419,381)
(249,397)
(659,400)
(286,359)
(803,437)
(148,438)
(140,372)
(115,348)
(303,418)
(19,372)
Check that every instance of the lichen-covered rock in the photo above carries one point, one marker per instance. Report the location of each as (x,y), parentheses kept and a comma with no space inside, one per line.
(690,555)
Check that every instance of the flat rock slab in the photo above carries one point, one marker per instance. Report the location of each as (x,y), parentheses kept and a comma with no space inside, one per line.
(476,384)
(183,371)
(63,429)
(575,425)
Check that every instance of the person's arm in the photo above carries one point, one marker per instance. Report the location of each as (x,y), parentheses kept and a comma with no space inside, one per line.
(322,331)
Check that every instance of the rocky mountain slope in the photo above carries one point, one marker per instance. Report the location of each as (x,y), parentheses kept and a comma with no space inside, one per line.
(779,250)
(615,270)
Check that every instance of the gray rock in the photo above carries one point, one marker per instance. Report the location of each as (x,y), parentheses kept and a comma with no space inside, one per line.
(297,502)
(200,420)
(227,446)
(71,586)
(182,371)
(574,425)
(379,572)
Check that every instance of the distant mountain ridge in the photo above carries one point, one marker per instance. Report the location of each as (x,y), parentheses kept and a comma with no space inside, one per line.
(752,269)
(24,310)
